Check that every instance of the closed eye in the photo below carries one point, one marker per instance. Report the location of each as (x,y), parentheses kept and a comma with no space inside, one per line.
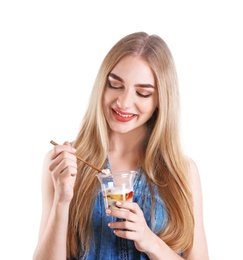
(143,95)
(110,85)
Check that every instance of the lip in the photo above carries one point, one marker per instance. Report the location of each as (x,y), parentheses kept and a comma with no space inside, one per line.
(122,116)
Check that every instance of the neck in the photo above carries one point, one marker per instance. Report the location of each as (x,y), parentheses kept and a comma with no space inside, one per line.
(124,150)
(125,143)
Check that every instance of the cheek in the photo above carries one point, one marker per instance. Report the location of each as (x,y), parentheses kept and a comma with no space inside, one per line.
(148,107)
(146,111)
(108,97)
(107,101)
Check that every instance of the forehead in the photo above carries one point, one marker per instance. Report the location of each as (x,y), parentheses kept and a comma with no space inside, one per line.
(133,68)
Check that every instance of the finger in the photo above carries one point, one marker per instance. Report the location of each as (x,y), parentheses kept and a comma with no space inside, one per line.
(123,225)
(122,214)
(56,169)
(63,157)
(65,167)
(67,172)
(131,206)
(67,143)
(57,149)
(130,235)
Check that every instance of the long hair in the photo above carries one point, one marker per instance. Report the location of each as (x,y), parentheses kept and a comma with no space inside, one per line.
(162,158)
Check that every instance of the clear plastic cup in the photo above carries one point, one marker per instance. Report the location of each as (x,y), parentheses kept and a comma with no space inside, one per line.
(117,186)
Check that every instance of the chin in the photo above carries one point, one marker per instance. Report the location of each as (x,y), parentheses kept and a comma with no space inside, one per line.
(124,129)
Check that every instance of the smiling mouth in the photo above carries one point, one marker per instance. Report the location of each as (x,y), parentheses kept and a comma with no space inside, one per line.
(123,117)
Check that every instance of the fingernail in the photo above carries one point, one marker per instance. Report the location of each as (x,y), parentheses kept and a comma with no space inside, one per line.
(108,211)
(118,203)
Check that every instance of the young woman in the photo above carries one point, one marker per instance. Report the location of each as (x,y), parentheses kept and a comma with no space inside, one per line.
(131,124)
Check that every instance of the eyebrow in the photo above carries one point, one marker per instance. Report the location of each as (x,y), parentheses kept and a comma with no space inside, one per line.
(114,76)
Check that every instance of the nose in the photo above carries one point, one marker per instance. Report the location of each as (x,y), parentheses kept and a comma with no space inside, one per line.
(125,100)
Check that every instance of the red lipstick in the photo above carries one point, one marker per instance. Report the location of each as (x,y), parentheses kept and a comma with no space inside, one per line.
(122,116)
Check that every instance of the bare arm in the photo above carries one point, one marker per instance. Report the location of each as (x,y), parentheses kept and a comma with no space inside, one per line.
(59,174)
(199,250)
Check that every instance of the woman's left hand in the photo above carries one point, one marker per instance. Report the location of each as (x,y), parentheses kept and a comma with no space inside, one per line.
(134,227)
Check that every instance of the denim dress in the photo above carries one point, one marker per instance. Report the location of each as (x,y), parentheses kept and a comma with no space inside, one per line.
(105,244)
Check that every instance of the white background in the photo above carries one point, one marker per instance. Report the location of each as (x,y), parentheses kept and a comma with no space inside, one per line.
(50,52)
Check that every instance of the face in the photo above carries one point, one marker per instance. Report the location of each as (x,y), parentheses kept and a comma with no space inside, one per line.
(130,96)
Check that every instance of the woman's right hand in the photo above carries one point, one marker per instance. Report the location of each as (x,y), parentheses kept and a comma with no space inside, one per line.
(63,168)
(58,179)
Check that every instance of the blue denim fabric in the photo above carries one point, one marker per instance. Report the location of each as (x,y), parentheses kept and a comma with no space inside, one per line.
(105,244)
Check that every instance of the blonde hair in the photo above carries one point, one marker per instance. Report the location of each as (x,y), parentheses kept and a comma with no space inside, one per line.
(162,158)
